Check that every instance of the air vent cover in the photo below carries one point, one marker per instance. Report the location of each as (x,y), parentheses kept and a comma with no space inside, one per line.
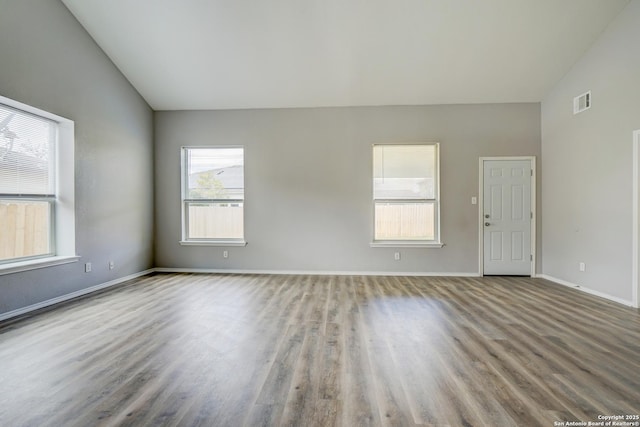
(582,102)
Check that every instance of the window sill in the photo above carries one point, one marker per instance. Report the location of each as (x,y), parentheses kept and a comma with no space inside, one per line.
(212,243)
(406,244)
(34,264)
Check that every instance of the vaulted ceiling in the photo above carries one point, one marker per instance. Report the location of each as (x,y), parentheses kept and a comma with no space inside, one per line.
(227,54)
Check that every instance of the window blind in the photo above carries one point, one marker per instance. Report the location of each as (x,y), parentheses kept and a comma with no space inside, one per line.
(27,154)
(214,174)
(404,172)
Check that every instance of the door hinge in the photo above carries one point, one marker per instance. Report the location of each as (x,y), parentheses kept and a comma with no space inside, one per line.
(531,257)
(531,172)
(531,215)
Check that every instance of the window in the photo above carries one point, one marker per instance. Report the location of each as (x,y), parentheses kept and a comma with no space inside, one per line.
(213,196)
(406,195)
(36,188)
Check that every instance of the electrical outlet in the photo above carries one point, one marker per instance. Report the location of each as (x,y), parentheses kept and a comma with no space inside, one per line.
(112,265)
(396,256)
(225,254)
(474,200)
(87,267)
(582,266)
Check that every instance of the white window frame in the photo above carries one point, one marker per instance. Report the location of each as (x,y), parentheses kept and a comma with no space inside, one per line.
(185,201)
(62,209)
(436,242)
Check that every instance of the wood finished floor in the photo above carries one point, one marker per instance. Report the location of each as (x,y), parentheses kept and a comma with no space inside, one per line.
(254,350)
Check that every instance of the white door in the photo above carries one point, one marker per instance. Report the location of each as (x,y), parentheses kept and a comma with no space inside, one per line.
(507,217)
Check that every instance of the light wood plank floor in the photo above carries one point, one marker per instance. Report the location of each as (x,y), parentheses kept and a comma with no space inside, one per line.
(254,350)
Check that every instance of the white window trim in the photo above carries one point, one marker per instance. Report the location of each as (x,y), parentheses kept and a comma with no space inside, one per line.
(405,244)
(183,211)
(437,242)
(213,242)
(64,222)
(33,264)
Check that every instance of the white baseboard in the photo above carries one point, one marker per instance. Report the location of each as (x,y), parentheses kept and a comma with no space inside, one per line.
(313,272)
(586,290)
(67,297)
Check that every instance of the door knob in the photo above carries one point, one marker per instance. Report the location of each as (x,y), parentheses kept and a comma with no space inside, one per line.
(486,216)
(486,224)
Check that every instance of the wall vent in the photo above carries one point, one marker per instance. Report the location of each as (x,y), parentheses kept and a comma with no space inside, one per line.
(582,102)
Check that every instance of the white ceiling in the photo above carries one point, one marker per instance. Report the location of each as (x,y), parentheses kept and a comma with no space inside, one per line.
(225,54)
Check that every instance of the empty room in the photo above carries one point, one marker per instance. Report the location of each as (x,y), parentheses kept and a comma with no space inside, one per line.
(319,213)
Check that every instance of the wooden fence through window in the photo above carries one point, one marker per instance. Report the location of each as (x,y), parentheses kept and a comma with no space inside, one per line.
(25,229)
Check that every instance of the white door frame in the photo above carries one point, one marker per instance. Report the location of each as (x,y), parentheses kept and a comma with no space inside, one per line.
(532,159)
(635,260)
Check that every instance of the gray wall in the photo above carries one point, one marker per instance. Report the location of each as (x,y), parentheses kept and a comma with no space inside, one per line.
(50,62)
(308,182)
(587,179)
